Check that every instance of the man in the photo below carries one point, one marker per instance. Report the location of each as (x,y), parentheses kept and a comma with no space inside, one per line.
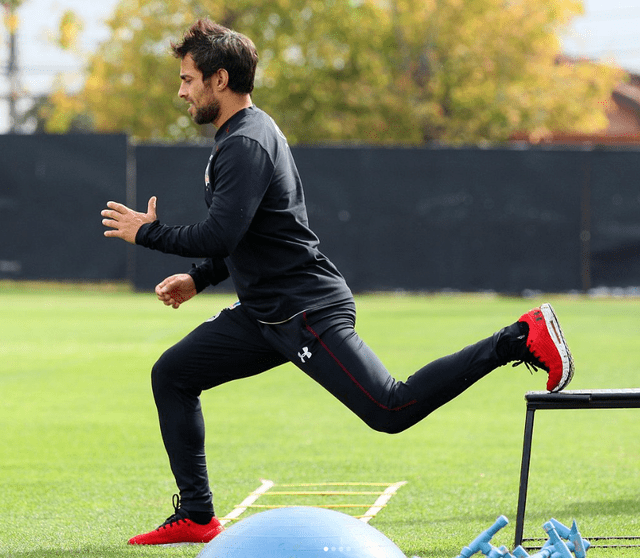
(294,306)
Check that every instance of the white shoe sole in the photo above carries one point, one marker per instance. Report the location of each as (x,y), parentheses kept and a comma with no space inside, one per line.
(555,331)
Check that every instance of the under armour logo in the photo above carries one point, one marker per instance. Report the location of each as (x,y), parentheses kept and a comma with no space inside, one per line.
(304,354)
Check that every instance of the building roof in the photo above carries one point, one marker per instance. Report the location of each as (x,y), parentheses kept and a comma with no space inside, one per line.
(623,113)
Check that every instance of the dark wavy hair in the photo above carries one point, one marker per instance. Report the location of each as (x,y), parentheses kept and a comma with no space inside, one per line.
(212,47)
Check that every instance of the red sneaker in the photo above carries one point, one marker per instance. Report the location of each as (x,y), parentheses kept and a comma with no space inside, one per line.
(547,347)
(180,529)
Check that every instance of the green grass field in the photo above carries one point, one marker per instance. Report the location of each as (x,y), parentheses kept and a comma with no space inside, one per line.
(82,467)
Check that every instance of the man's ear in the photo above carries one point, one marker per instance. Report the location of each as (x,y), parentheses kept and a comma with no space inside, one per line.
(220,80)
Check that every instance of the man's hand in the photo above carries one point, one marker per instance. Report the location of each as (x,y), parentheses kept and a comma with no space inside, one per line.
(175,290)
(125,221)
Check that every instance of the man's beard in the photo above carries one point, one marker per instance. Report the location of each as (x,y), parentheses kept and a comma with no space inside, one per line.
(208,113)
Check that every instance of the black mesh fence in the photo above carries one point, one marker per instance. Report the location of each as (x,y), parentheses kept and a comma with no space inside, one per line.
(417,219)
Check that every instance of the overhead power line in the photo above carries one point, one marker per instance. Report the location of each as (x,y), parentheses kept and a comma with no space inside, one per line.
(44,69)
(622,12)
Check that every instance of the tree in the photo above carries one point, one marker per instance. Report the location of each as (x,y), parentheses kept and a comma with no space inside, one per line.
(493,67)
(402,71)
(324,69)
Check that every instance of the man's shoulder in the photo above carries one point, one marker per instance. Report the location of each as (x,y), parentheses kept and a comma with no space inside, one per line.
(257,124)
(252,127)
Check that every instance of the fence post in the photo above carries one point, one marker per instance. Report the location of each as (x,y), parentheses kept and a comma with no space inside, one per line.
(131,201)
(585,222)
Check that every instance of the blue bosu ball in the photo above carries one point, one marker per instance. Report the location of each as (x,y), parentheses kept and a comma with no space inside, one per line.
(301,532)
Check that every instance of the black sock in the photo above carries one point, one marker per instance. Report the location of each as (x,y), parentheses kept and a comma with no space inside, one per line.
(200,517)
(512,342)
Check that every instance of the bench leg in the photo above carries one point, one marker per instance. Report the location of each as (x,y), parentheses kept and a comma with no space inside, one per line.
(524,475)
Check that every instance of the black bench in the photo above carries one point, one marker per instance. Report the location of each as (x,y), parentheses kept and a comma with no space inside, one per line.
(576,399)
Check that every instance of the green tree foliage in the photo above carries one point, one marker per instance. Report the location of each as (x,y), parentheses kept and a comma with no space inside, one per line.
(402,71)
(493,67)
(69,29)
(10,5)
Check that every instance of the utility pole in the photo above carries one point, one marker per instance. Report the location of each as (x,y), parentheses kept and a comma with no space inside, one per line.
(11,23)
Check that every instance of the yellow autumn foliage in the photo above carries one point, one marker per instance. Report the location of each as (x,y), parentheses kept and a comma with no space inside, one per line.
(370,71)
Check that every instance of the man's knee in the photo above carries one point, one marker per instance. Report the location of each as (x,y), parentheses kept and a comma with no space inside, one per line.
(164,374)
(386,422)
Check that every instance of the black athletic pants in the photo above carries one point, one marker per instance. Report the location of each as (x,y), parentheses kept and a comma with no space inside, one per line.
(324,345)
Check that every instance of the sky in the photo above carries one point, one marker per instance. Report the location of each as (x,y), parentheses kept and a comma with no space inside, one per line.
(608,31)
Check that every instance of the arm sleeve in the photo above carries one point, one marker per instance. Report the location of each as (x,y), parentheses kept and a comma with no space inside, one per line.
(209,272)
(242,172)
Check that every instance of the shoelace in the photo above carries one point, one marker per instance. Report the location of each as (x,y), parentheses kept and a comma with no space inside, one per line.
(177,515)
(532,362)
(530,366)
